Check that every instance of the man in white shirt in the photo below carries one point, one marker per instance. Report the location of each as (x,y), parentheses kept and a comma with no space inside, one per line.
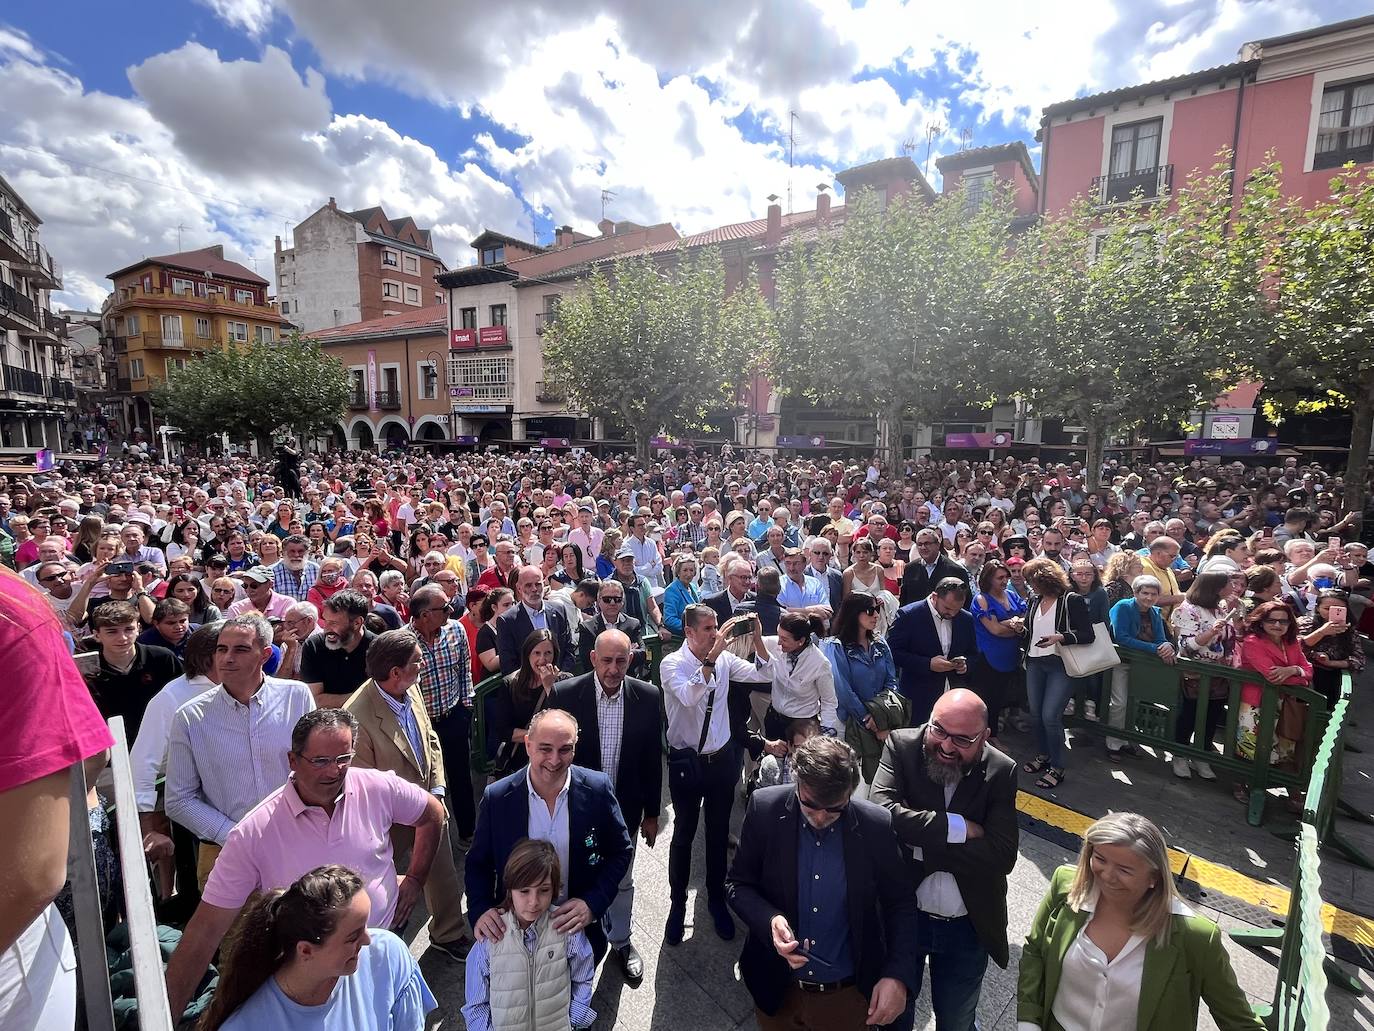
(953,522)
(648,561)
(953,802)
(587,537)
(704,755)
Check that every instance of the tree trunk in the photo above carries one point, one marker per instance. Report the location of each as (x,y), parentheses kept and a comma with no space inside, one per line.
(891,429)
(1092,462)
(642,435)
(1357,466)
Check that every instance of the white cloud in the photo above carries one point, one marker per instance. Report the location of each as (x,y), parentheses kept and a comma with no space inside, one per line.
(253,16)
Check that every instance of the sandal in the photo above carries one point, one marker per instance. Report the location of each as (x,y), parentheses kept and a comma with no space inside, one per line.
(1035,765)
(1052,779)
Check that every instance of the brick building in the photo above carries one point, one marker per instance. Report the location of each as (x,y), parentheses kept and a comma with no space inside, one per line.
(354,266)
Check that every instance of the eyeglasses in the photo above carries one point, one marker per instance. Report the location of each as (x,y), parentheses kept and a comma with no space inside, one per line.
(321,762)
(939,733)
(54,578)
(834,810)
(1276,622)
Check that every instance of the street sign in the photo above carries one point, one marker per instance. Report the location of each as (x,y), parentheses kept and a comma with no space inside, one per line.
(1225,427)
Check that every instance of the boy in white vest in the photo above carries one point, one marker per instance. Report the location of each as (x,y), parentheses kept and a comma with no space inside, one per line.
(532,977)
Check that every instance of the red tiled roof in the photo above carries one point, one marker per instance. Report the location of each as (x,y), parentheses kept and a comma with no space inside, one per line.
(742,231)
(434,317)
(207,259)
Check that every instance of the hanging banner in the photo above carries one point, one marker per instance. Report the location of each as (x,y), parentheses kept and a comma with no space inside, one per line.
(372,380)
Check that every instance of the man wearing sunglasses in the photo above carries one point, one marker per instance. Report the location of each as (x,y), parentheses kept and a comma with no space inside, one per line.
(327,812)
(821,883)
(953,802)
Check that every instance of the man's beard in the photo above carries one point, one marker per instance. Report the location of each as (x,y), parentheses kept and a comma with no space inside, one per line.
(942,773)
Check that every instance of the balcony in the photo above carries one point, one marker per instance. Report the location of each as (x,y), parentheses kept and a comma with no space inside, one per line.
(38,267)
(357,401)
(22,381)
(136,296)
(122,384)
(389,400)
(543,320)
(16,310)
(48,328)
(1143,184)
(548,394)
(61,389)
(11,247)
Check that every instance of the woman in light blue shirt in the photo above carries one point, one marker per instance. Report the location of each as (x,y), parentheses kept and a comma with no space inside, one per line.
(307,961)
(680,593)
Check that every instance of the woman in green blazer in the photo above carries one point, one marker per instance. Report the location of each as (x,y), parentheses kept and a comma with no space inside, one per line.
(1114,948)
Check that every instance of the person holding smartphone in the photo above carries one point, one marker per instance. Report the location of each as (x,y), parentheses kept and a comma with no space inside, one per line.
(1329,640)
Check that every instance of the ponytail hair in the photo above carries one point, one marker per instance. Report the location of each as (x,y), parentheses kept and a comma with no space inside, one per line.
(802,626)
(271,928)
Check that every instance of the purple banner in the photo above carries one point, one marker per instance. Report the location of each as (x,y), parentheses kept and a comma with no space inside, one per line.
(465,439)
(978,440)
(801,442)
(1239,446)
(554,442)
(43,460)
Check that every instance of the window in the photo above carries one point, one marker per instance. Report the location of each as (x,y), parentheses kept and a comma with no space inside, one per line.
(482,379)
(1345,129)
(412,295)
(390,379)
(243,296)
(498,314)
(493,255)
(438,297)
(182,286)
(264,334)
(390,258)
(238,331)
(171,327)
(133,326)
(1134,161)
(428,378)
(175,365)
(412,264)
(135,368)
(286,307)
(390,290)
(203,328)
(977,188)
(467,319)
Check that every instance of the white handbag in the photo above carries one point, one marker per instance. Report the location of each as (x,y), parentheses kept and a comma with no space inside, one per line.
(1083,660)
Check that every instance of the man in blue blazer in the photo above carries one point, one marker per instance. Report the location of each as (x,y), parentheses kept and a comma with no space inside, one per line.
(553,800)
(820,871)
(933,644)
(528,614)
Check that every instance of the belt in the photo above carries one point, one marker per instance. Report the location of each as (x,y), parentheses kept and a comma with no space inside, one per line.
(819,988)
(942,919)
(725,751)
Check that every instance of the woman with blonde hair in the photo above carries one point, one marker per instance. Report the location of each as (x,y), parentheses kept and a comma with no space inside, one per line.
(1113,945)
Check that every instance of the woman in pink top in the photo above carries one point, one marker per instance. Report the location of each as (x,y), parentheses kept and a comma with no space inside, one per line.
(1271,648)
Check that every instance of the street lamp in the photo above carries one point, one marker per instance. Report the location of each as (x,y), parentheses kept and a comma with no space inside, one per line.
(432,373)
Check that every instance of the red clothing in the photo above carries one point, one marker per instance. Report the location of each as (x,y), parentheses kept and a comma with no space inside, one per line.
(1257,652)
(492,579)
(479,672)
(317,594)
(50,719)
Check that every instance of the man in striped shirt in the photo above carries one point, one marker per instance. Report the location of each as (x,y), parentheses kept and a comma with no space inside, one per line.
(446,683)
(228,746)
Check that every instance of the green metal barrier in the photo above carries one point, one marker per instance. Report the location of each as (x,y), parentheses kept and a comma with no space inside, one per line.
(1154,694)
(478,760)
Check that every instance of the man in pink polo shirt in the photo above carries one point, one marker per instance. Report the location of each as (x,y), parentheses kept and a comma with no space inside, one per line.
(327,812)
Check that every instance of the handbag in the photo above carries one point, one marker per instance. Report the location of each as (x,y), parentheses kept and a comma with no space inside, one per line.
(1083,660)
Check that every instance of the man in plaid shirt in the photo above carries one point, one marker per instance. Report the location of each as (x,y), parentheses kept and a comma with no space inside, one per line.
(294,575)
(446,683)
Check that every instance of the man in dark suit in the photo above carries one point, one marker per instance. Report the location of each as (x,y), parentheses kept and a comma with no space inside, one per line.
(572,808)
(620,724)
(610,615)
(929,567)
(530,614)
(818,556)
(953,801)
(738,595)
(821,873)
(932,642)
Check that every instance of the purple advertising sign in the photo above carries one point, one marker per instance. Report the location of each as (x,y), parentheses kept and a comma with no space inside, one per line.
(1237,447)
(465,439)
(801,441)
(978,440)
(554,442)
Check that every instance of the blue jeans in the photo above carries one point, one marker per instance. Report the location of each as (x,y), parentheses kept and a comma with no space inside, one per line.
(957,963)
(1049,688)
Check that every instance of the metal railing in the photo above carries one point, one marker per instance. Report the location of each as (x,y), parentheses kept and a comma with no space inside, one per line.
(150,988)
(548,394)
(12,300)
(543,320)
(22,381)
(1140,184)
(389,400)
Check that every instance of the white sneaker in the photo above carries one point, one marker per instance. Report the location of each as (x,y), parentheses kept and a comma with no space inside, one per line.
(1204,771)
(1181,769)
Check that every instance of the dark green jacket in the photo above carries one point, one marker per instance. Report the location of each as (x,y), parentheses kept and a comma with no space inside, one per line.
(1193,966)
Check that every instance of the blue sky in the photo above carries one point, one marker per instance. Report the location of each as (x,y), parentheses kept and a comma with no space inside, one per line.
(129,125)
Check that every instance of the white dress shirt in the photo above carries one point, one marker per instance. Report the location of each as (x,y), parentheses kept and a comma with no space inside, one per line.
(648,562)
(537,620)
(938,894)
(148,757)
(552,827)
(806,689)
(687,691)
(944,630)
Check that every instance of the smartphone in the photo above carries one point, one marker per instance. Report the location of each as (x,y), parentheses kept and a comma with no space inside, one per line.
(959,660)
(87,663)
(744,627)
(1334,543)
(1336,614)
(810,956)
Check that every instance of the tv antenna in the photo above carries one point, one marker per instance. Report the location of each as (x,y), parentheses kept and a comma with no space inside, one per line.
(791,153)
(908,145)
(932,130)
(606,195)
(180,229)
(965,138)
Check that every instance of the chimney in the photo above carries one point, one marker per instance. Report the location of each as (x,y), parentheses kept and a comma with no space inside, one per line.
(332,205)
(822,204)
(217,250)
(606,226)
(276,242)
(773,234)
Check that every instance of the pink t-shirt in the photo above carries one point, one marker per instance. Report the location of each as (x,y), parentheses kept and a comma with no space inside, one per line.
(282,838)
(50,719)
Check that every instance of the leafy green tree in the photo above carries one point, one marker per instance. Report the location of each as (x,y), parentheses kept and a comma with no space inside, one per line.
(1140,314)
(1322,356)
(894,312)
(654,342)
(255,390)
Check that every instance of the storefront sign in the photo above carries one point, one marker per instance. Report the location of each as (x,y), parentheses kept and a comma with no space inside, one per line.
(488,336)
(552,442)
(1237,447)
(979,440)
(465,439)
(462,338)
(800,442)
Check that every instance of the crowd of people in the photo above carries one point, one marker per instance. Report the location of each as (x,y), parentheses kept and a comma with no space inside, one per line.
(345,676)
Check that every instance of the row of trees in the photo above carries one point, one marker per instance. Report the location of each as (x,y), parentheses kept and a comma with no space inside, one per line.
(1112,319)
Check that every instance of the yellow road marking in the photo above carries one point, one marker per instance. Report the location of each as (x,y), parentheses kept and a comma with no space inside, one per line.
(1212,876)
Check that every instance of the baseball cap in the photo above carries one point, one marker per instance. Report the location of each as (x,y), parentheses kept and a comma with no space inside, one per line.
(258,574)
(625,551)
